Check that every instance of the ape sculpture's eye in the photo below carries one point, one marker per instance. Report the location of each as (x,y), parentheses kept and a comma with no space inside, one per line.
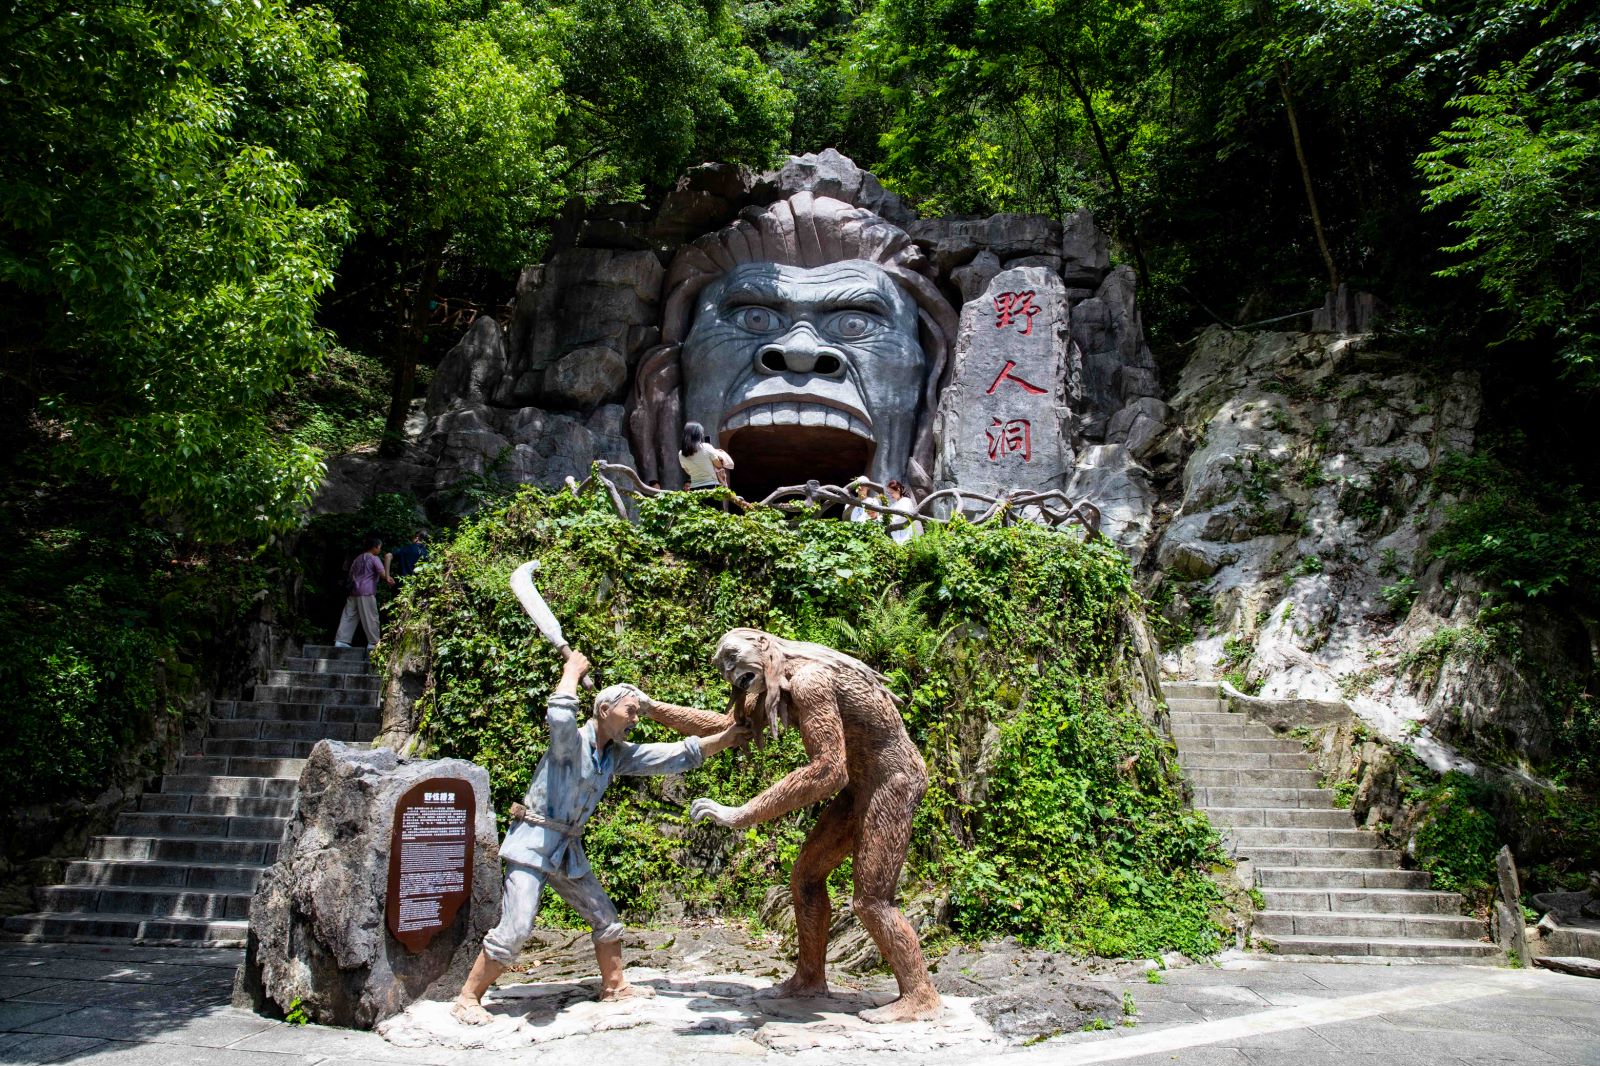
(851,325)
(756,319)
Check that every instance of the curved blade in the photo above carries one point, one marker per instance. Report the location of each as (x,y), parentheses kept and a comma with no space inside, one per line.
(533,603)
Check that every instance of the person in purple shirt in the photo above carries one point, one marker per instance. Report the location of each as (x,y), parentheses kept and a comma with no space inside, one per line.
(362,603)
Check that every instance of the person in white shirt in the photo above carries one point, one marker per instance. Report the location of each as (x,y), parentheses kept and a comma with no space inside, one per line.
(703,464)
(902,529)
(859,513)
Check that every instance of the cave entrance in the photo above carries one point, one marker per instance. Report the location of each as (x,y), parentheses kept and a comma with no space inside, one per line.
(769,457)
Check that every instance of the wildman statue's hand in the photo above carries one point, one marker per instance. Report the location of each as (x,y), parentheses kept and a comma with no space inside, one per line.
(701,809)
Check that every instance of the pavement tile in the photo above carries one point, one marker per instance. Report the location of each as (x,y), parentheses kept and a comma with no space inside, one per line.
(1579,1051)
(73,969)
(216,1028)
(29,1049)
(119,1053)
(184,999)
(1192,1056)
(1281,1057)
(11,987)
(346,1044)
(1487,1015)
(14,1015)
(1374,1036)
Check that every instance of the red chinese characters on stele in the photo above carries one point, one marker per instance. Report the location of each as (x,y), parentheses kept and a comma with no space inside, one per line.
(1009,305)
(1012,437)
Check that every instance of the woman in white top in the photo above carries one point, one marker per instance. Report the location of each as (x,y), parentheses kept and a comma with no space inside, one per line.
(902,529)
(859,513)
(702,463)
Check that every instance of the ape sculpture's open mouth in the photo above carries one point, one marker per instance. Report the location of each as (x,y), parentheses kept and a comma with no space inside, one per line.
(790,439)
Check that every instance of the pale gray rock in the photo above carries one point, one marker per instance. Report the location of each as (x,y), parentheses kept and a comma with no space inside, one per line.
(1085,251)
(1004,419)
(949,242)
(585,377)
(318,937)
(1011,236)
(973,278)
(356,476)
(1051,263)
(471,371)
(1036,1013)
(1108,476)
(832,174)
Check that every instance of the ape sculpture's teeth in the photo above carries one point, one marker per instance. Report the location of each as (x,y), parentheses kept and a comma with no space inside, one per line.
(791,413)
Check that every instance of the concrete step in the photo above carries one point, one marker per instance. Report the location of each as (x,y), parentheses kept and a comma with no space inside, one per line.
(187,803)
(1364,858)
(154,932)
(1380,926)
(1198,744)
(204,877)
(1285,817)
(1362,900)
(1302,837)
(1204,777)
(1240,730)
(325,687)
(343,697)
(1238,796)
(328,651)
(1207,706)
(257,749)
(224,785)
(227,766)
(231,827)
(169,903)
(1244,760)
(303,712)
(210,850)
(1387,947)
(296,664)
(280,729)
(1337,877)
(1187,690)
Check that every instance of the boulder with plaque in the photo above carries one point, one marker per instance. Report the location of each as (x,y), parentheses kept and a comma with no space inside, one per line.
(386,881)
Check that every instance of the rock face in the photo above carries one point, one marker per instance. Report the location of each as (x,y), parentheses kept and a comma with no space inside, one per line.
(317,926)
(1005,418)
(605,322)
(1299,519)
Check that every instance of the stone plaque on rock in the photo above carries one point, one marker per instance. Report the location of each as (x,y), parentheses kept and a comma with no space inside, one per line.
(1005,417)
(430,860)
(320,930)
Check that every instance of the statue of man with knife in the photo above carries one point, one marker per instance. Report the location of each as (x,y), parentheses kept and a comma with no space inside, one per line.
(544,846)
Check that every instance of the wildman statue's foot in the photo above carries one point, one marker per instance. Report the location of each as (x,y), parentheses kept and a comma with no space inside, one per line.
(795,988)
(916,1007)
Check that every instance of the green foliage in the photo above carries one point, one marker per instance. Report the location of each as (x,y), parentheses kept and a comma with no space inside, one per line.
(297,1014)
(161,266)
(103,622)
(1521,162)
(1456,839)
(1073,833)
(337,406)
(1528,536)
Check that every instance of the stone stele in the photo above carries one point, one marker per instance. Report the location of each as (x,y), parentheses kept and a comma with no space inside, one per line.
(317,926)
(1005,417)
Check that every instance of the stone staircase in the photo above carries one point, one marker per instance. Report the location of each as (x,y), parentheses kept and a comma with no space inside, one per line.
(181,868)
(1329,887)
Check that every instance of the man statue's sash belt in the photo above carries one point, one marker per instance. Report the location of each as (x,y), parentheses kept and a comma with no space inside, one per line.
(566,829)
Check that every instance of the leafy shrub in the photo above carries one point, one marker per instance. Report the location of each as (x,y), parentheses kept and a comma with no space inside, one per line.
(1456,839)
(1072,832)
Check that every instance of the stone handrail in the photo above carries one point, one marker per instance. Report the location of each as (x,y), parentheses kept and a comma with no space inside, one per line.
(1054,509)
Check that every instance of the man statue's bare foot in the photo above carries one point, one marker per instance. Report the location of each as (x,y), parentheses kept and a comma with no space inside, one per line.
(470,1012)
(626,992)
(921,1006)
(795,988)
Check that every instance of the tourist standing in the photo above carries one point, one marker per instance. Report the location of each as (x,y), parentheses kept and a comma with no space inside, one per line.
(904,525)
(860,512)
(703,464)
(362,602)
(404,560)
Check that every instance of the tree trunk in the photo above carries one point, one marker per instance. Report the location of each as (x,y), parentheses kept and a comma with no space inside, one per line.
(1124,215)
(1305,176)
(412,337)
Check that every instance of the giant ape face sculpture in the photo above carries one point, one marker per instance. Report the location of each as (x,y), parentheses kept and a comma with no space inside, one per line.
(803,372)
(809,342)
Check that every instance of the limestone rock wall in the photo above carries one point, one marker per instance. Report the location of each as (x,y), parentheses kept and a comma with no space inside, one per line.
(540,397)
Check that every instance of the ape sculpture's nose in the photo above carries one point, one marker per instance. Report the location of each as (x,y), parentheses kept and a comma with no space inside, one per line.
(800,351)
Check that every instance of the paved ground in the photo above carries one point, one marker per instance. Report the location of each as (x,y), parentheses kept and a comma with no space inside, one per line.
(162,1007)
